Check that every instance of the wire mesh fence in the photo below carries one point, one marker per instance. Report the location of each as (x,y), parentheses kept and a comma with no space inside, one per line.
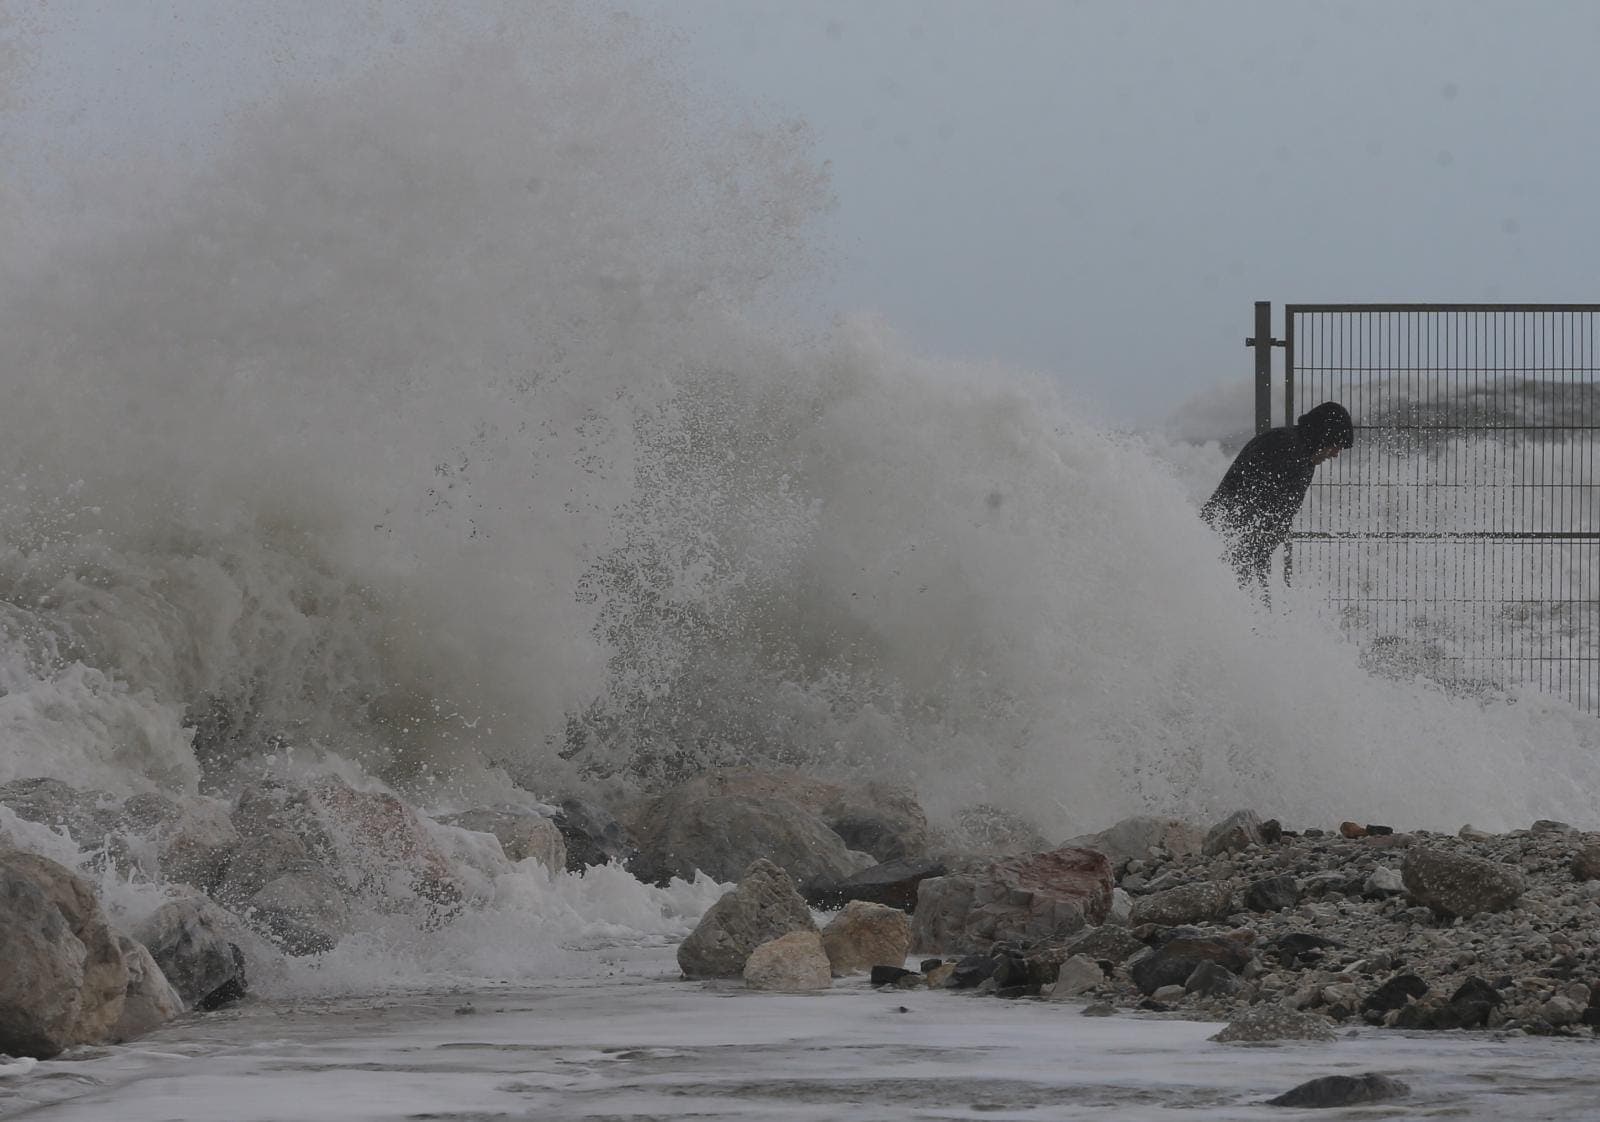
(1460,537)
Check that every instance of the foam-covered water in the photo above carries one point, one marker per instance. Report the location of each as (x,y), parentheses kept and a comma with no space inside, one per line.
(463,416)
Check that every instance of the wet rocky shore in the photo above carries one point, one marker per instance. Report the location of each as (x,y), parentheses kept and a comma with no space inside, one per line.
(1282,930)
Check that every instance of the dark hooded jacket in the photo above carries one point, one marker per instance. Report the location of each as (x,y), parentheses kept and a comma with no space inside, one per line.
(1263,489)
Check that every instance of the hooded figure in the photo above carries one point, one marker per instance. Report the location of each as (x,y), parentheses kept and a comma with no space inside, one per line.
(1263,489)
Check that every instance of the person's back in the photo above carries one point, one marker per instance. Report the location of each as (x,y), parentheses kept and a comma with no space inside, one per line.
(1256,502)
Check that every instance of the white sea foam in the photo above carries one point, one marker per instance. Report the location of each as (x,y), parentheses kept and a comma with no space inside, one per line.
(443,423)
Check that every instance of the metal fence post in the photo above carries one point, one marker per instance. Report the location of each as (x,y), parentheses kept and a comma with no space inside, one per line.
(1262,342)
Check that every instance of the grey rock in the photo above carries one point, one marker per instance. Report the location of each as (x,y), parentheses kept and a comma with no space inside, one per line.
(522,834)
(1239,830)
(1172,962)
(1259,1023)
(1384,881)
(303,912)
(1079,974)
(592,835)
(1133,839)
(1107,943)
(188,941)
(1272,894)
(65,981)
(1343,1090)
(762,907)
(1189,903)
(879,819)
(1021,899)
(695,827)
(893,883)
(88,816)
(195,838)
(150,1001)
(1454,884)
(1210,979)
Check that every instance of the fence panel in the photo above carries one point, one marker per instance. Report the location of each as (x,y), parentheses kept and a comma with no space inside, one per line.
(1459,538)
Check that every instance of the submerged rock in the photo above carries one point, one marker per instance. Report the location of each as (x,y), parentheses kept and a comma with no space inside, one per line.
(1343,1090)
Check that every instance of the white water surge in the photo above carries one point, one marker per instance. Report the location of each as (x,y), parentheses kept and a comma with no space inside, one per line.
(449,423)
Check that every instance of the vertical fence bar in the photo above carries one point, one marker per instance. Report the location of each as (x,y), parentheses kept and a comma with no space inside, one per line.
(1261,342)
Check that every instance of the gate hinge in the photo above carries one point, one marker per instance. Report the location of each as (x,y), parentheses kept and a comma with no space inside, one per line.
(1250,342)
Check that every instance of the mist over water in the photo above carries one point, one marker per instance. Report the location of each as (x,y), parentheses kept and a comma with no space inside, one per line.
(462,418)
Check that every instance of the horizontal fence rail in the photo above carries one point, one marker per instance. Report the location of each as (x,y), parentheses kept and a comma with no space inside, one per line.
(1460,537)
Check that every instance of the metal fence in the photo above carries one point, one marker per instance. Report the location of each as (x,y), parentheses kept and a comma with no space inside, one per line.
(1460,537)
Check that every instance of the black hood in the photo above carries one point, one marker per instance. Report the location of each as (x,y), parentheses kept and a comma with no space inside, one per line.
(1326,426)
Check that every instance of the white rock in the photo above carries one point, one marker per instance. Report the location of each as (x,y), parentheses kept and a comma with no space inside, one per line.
(792,963)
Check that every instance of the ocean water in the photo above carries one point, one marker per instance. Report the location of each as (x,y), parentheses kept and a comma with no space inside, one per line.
(639,1044)
(462,419)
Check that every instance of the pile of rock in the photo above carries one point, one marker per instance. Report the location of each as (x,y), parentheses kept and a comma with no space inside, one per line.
(1410,930)
(1359,924)
(763,932)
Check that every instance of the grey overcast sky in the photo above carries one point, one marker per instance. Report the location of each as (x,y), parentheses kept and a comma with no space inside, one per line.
(1099,189)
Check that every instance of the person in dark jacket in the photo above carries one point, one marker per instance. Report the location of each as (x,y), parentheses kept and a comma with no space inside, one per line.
(1263,489)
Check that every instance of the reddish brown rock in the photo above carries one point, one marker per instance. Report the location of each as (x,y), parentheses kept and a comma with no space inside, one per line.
(1024,898)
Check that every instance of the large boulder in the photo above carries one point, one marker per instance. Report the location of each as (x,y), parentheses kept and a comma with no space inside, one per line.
(65,981)
(1136,838)
(792,963)
(305,912)
(286,835)
(720,822)
(893,883)
(523,835)
(1239,830)
(194,838)
(1454,884)
(879,819)
(864,935)
(763,906)
(88,816)
(1022,899)
(1174,960)
(150,1000)
(1187,903)
(387,844)
(188,939)
(592,835)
